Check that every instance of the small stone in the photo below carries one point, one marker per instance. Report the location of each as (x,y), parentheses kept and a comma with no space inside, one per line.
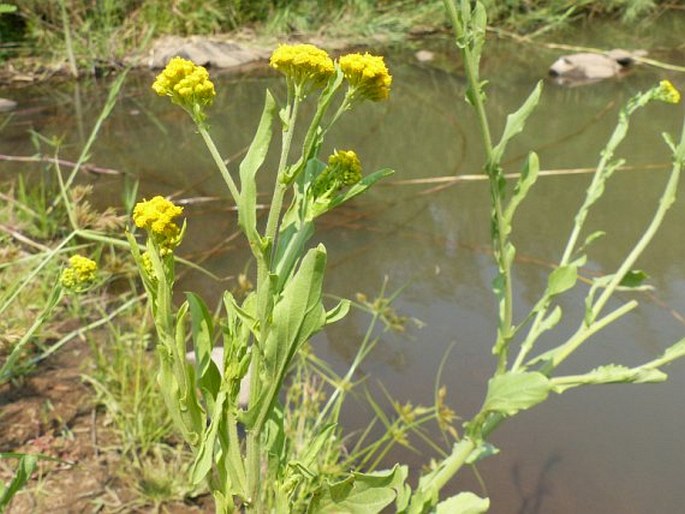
(7,105)
(424,56)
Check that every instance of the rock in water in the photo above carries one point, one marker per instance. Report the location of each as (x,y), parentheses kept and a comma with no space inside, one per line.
(424,56)
(590,67)
(203,51)
(7,105)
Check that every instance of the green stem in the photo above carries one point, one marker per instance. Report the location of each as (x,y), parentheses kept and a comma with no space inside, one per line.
(280,186)
(219,162)
(667,199)
(253,450)
(494,173)
(604,169)
(583,334)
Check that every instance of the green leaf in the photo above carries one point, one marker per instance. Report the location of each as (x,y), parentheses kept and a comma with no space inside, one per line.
(675,351)
(561,279)
(338,312)
(25,467)
(609,374)
(299,313)
(592,238)
(551,320)
(309,458)
(207,375)
(7,8)
(463,503)
(296,317)
(512,392)
(516,121)
(360,493)
(633,279)
(291,245)
(247,208)
(478,24)
(205,455)
(356,189)
(529,175)
(244,313)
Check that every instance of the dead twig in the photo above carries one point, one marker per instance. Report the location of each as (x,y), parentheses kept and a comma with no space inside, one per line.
(91,168)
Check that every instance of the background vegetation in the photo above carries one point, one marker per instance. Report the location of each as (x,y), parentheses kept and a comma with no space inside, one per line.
(103,32)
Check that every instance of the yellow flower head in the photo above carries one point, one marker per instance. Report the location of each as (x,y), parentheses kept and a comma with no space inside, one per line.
(343,169)
(367,74)
(157,217)
(187,84)
(667,93)
(79,275)
(306,65)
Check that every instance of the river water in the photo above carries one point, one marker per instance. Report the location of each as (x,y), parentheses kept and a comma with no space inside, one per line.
(604,449)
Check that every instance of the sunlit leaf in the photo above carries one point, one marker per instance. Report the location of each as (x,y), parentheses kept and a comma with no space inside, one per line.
(256,153)
(609,374)
(516,121)
(205,454)
(360,493)
(338,312)
(551,320)
(592,238)
(512,392)
(561,279)
(357,189)
(675,351)
(529,175)
(463,503)
(208,376)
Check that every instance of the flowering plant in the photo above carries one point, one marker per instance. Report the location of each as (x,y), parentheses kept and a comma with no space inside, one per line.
(239,382)
(262,335)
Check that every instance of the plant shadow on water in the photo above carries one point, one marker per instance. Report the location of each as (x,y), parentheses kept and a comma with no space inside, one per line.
(618,449)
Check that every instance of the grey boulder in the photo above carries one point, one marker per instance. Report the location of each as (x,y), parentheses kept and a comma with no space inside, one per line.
(591,67)
(203,51)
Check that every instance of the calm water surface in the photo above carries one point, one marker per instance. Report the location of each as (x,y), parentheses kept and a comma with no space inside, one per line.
(615,449)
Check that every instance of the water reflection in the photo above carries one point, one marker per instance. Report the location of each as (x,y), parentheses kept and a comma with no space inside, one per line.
(615,449)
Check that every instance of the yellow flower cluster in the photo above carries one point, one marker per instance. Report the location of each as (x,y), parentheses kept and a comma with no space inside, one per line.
(346,166)
(80,273)
(667,93)
(343,169)
(309,67)
(187,84)
(367,74)
(306,65)
(157,217)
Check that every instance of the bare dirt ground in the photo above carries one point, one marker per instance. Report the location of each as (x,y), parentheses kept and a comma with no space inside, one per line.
(51,412)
